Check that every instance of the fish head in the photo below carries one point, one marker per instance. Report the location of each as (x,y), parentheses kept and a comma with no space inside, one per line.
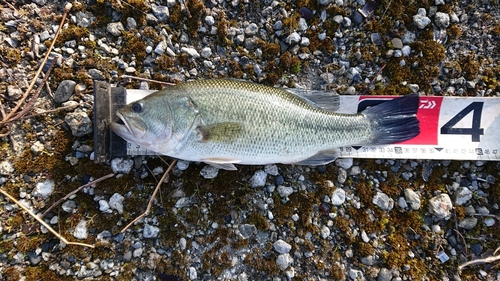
(147,122)
(159,122)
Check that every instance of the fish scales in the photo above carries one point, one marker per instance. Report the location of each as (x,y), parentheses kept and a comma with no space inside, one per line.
(276,122)
(222,122)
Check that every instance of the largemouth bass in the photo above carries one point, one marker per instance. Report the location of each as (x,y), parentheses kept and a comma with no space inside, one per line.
(226,122)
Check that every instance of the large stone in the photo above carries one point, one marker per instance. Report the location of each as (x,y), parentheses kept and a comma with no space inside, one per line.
(441,206)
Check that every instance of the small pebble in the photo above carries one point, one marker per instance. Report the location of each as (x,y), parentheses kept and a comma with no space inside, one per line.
(284,260)
(209,172)
(324,232)
(80,231)
(44,189)
(284,191)
(150,231)
(69,206)
(383,201)
(344,163)
(441,206)
(258,179)
(247,230)
(338,197)
(412,198)
(282,247)
(468,223)
(116,202)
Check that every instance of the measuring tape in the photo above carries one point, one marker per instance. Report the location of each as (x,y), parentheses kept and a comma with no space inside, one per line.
(452,128)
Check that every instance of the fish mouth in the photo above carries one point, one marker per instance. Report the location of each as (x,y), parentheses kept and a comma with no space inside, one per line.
(124,129)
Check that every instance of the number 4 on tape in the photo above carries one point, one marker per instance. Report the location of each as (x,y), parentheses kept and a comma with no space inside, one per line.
(475,130)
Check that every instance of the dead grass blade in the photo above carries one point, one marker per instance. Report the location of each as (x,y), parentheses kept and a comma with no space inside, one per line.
(75,191)
(67,8)
(44,223)
(150,204)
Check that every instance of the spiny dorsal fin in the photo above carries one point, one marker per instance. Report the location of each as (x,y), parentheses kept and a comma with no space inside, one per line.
(324,100)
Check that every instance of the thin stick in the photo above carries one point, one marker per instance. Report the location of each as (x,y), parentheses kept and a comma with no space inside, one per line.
(186,6)
(75,191)
(484,260)
(67,8)
(374,78)
(44,223)
(34,97)
(147,80)
(487,215)
(458,232)
(150,204)
(10,5)
(9,129)
(132,7)
(45,112)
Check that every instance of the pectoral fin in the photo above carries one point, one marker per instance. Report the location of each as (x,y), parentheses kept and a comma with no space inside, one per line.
(222,163)
(320,158)
(221,132)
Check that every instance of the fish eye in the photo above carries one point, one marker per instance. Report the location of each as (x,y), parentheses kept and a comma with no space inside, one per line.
(137,107)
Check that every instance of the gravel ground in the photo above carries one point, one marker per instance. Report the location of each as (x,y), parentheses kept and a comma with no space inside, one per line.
(350,220)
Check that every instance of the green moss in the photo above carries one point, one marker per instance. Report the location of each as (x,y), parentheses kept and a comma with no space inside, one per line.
(291,23)
(336,272)
(64,73)
(12,273)
(197,9)
(133,45)
(496,29)
(264,263)
(334,10)
(285,61)
(235,70)
(42,272)
(363,249)
(295,65)
(13,55)
(165,62)
(132,8)
(454,32)
(259,221)
(470,67)
(176,14)
(73,32)
(222,32)
(270,51)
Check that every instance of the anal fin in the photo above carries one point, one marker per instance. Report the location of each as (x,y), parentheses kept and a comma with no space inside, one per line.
(321,158)
(222,163)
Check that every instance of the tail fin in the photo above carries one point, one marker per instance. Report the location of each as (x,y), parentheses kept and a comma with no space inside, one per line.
(395,120)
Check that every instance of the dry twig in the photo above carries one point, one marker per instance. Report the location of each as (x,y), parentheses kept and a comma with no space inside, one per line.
(147,80)
(374,78)
(484,260)
(186,6)
(33,98)
(45,112)
(75,191)
(67,8)
(44,223)
(150,204)
(10,5)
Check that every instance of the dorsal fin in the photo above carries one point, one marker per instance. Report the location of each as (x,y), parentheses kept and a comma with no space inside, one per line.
(324,100)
